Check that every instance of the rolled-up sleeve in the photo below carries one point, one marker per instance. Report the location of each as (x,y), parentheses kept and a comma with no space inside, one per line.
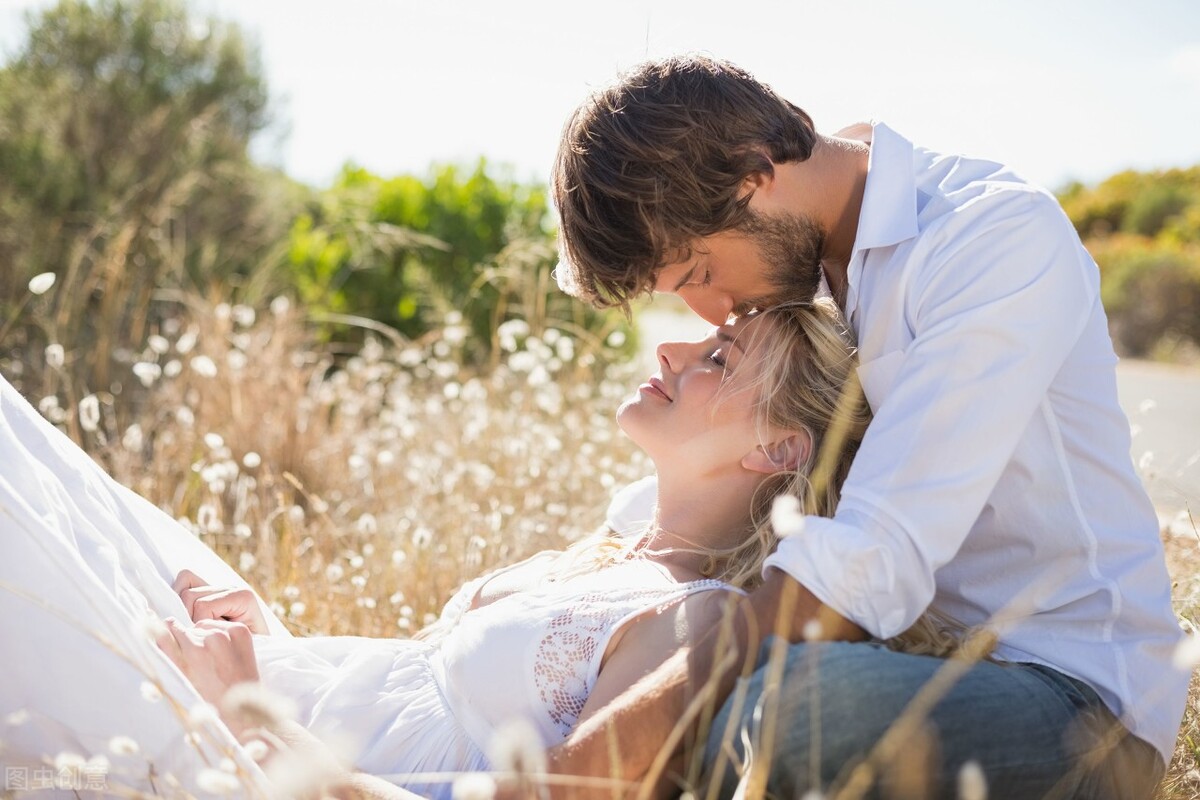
(994,301)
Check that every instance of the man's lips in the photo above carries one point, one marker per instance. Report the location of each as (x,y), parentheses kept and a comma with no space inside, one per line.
(655,386)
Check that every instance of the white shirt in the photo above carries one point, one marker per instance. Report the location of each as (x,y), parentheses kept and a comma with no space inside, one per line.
(996,476)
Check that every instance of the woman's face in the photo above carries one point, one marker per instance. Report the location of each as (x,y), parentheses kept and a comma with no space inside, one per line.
(698,413)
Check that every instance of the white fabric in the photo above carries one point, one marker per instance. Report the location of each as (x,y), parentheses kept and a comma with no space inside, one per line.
(83,562)
(403,708)
(996,473)
(632,508)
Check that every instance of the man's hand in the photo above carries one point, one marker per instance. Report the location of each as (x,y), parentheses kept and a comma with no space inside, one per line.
(782,607)
(204,602)
(213,654)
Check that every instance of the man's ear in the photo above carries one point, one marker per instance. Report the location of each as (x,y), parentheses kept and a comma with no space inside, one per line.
(785,454)
(756,181)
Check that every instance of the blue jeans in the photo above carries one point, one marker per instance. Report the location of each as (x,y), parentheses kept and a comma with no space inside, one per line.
(1034,732)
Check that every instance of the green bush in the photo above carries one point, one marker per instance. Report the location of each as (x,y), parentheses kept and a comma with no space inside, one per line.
(1150,291)
(407,252)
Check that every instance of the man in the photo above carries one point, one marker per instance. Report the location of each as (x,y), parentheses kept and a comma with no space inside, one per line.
(994,485)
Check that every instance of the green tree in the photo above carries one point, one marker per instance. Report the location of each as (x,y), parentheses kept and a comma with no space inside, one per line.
(124,128)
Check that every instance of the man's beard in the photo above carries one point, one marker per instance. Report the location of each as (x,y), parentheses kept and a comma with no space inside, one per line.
(791,245)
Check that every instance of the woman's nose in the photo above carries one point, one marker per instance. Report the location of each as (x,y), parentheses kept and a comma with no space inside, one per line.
(671,355)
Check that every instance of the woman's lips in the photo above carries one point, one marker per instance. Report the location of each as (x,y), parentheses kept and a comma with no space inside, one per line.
(655,386)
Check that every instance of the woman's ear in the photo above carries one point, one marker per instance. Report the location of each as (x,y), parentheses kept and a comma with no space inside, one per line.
(785,454)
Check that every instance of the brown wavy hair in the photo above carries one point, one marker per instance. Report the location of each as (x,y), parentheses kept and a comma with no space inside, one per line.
(658,160)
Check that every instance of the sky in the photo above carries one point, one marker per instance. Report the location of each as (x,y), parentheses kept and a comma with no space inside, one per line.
(1067,90)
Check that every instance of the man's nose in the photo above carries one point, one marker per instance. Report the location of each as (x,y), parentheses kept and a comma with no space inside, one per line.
(712,308)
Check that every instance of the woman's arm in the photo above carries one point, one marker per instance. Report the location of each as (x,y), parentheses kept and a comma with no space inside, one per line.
(647,718)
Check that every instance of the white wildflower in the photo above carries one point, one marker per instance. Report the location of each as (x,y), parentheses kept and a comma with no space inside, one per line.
(242,531)
(42,283)
(256,749)
(517,747)
(236,360)
(173,368)
(151,627)
(213,441)
(251,460)
(133,438)
(208,519)
(786,518)
(280,306)
(399,557)
(202,714)
(385,458)
(147,372)
(243,315)
(204,367)
(334,573)
(158,344)
(187,341)
(215,781)
(474,786)
(1187,653)
(297,609)
(296,515)
(246,562)
(522,361)
(972,784)
(89,413)
(185,416)
(615,339)
(123,746)
(55,356)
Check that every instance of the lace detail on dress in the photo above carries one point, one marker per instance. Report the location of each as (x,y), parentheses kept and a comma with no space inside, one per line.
(563,669)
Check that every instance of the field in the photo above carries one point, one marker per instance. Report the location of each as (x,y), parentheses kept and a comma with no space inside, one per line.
(357,493)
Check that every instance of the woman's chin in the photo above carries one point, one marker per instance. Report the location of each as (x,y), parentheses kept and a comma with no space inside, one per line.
(632,422)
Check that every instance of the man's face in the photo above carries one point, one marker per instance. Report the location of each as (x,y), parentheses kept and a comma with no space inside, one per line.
(768,260)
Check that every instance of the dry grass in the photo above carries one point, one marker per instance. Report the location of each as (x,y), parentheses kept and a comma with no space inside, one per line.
(356,496)
(1182,542)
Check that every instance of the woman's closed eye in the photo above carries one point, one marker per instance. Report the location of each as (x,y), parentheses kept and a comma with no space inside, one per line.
(718,357)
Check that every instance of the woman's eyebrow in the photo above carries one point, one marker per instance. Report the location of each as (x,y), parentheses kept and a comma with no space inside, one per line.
(722,336)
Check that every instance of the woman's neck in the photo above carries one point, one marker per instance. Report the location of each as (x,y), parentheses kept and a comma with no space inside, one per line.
(699,515)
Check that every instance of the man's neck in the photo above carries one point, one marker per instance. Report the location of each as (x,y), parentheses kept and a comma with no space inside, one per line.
(844,162)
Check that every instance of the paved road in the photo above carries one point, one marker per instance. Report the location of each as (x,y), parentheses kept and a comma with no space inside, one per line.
(1162,403)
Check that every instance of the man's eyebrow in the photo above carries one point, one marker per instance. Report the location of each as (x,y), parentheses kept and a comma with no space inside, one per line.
(684,280)
(722,336)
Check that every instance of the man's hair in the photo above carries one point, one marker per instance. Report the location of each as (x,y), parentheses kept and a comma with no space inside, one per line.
(647,166)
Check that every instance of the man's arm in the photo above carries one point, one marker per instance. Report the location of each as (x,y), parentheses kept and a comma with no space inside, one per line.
(649,721)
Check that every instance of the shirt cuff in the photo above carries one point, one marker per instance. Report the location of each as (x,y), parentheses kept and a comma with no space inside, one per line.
(860,566)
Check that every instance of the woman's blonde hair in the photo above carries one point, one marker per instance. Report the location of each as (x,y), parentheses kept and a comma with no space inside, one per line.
(806,380)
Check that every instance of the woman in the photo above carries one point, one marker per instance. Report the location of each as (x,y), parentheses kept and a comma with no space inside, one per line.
(731,423)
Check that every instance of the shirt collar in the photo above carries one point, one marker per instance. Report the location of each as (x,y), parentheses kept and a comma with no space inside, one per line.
(889,208)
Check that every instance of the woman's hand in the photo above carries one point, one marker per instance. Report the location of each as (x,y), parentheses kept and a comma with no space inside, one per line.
(204,602)
(213,654)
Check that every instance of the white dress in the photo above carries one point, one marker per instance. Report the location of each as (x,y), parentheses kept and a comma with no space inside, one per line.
(405,708)
(83,561)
